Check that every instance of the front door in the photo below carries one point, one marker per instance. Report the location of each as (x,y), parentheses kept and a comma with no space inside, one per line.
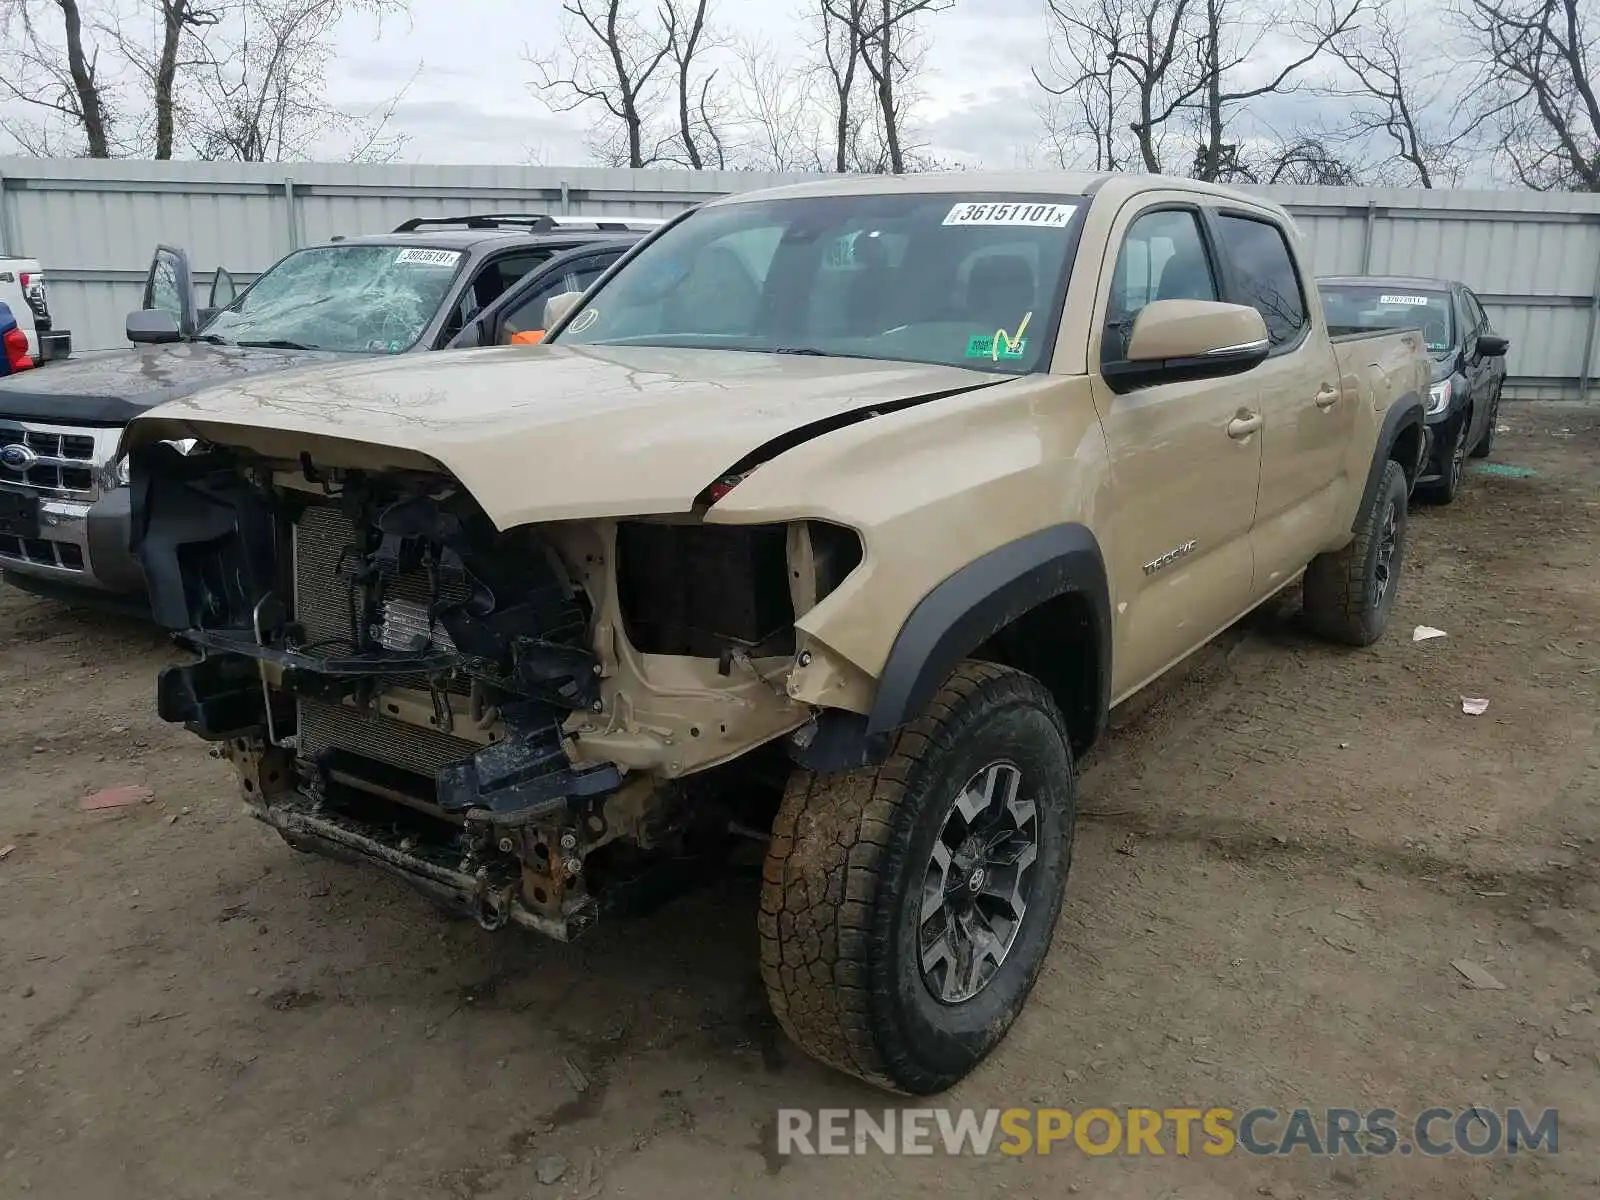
(1185,461)
(1310,415)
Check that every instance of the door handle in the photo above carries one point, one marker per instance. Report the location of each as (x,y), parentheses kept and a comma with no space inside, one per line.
(1327,397)
(1243,425)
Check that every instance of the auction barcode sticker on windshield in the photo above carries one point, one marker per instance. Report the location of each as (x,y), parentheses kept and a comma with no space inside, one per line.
(1044,216)
(1422,300)
(428,258)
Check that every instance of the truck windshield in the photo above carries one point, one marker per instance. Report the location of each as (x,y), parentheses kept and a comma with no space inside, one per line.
(1388,306)
(357,298)
(963,280)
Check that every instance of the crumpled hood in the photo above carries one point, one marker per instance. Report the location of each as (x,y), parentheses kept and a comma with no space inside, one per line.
(552,432)
(113,387)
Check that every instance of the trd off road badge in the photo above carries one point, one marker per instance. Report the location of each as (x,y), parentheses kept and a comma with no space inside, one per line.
(1170,557)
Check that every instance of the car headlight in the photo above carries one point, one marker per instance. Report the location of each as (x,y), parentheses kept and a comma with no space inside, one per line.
(1438,398)
(118,473)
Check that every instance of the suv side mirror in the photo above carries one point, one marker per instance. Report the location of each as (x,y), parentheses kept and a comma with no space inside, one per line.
(1492,345)
(153,326)
(1174,340)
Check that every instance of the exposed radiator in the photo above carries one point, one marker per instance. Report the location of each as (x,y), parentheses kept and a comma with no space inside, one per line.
(322,606)
(322,596)
(325,726)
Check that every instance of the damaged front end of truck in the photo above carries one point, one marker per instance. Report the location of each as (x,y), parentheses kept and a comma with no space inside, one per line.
(535,725)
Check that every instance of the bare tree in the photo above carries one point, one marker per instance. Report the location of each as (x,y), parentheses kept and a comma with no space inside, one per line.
(1402,100)
(687,40)
(178,47)
(1138,57)
(63,78)
(257,96)
(612,58)
(1308,160)
(1228,43)
(1537,63)
(841,22)
(779,126)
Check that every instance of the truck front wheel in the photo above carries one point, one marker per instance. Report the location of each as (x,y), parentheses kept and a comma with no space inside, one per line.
(906,909)
(1350,593)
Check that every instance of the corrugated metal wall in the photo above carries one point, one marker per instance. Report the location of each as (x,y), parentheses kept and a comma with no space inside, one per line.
(1533,258)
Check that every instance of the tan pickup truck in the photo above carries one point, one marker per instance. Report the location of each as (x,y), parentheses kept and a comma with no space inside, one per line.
(839,515)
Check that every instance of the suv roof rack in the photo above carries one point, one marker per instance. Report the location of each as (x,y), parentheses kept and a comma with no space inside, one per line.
(533,222)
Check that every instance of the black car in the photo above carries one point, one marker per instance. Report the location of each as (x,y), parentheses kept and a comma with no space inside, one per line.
(1469,362)
(64,504)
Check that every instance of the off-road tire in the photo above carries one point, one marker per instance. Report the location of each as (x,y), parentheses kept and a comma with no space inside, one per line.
(1343,600)
(841,898)
(1485,444)
(1453,468)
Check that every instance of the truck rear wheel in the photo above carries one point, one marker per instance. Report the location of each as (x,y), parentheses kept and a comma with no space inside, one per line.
(1349,593)
(906,909)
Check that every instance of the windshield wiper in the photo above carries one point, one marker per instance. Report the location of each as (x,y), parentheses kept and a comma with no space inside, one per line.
(809,350)
(216,339)
(278,344)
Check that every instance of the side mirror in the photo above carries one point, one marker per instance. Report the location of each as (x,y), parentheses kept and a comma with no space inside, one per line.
(1175,340)
(1492,345)
(153,326)
(559,306)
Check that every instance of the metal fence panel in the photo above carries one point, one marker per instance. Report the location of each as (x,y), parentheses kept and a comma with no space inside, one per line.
(1533,258)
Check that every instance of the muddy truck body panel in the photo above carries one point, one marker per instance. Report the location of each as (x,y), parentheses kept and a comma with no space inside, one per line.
(846,510)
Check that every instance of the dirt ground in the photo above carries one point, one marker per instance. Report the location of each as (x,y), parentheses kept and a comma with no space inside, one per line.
(1281,854)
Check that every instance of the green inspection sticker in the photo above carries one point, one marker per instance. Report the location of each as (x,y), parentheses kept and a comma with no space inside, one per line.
(982,346)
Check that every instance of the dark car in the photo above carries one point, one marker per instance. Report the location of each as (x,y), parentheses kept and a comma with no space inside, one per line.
(64,503)
(1469,362)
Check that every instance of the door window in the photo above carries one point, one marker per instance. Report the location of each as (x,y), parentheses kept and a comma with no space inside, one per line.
(527,315)
(1163,257)
(1264,275)
(164,286)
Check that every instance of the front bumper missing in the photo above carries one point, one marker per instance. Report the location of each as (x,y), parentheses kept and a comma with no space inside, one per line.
(490,898)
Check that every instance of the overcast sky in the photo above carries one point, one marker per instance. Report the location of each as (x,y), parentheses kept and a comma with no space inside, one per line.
(471,102)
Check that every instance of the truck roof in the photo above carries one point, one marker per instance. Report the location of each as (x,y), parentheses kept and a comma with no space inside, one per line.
(468,239)
(1410,281)
(1119,185)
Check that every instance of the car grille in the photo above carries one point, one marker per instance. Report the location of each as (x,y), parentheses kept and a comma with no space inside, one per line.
(321,601)
(42,552)
(62,461)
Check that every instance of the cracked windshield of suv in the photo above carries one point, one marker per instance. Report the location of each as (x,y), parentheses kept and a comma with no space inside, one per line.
(968,281)
(356,299)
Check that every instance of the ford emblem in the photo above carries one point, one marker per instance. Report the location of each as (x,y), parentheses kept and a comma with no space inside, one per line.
(17,457)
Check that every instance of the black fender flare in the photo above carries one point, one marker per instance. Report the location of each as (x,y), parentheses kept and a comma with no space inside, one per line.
(987,594)
(1403,413)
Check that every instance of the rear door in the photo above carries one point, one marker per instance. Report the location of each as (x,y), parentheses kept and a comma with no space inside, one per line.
(1309,417)
(1184,458)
